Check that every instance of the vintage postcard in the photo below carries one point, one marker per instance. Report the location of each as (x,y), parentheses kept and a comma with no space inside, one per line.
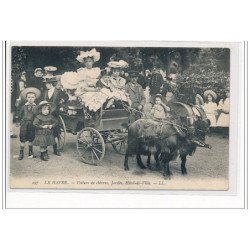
(121,116)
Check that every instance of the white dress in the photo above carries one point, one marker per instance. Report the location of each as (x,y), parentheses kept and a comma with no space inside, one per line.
(89,75)
(224,118)
(81,81)
(88,79)
(70,80)
(118,88)
(210,109)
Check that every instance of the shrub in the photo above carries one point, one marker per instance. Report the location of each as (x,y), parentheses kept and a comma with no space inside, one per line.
(205,73)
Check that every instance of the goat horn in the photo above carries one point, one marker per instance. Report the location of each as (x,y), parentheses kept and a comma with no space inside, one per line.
(182,109)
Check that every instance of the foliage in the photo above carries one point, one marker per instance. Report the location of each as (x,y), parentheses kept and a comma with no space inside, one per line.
(204,73)
(197,69)
(18,62)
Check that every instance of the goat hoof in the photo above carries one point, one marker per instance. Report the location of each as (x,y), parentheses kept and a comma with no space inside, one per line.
(167,175)
(184,171)
(158,167)
(126,168)
(150,168)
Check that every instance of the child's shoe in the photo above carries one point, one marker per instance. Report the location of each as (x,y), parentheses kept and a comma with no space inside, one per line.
(31,155)
(21,154)
(43,156)
(56,152)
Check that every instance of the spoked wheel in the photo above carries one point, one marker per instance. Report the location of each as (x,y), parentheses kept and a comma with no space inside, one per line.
(61,134)
(90,146)
(120,146)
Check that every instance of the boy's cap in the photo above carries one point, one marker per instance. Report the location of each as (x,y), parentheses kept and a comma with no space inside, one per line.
(38,69)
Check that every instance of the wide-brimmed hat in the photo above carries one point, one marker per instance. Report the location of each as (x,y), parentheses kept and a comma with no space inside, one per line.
(24,93)
(200,99)
(50,68)
(45,103)
(85,54)
(118,64)
(210,92)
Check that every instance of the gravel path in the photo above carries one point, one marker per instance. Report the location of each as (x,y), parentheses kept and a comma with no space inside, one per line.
(207,170)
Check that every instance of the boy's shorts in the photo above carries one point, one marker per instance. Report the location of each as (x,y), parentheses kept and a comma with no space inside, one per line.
(27,132)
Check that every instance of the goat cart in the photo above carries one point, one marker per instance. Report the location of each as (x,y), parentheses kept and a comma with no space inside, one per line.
(108,126)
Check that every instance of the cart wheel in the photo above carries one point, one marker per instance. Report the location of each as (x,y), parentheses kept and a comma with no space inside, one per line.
(90,146)
(121,146)
(60,139)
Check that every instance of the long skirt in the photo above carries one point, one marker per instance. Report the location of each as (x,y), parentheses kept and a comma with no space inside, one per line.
(93,100)
(223,120)
(44,137)
(212,119)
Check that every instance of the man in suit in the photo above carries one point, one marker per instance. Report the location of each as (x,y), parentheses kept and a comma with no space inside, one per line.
(136,95)
(53,95)
(57,97)
(155,83)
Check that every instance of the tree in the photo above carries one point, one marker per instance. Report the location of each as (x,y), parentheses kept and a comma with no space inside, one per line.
(204,73)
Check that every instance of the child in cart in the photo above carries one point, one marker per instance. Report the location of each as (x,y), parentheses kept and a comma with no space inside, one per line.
(82,84)
(117,83)
(159,111)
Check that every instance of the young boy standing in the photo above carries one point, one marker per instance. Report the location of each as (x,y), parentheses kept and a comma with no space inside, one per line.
(27,114)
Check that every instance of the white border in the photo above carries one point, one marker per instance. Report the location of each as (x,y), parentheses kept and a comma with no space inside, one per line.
(125,199)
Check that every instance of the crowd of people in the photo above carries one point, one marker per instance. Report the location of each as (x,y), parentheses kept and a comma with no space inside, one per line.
(36,103)
(218,114)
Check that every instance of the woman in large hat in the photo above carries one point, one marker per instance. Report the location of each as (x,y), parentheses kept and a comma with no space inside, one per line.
(116,67)
(210,106)
(117,82)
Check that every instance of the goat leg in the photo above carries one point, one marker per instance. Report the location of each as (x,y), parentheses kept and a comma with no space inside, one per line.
(126,168)
(166,169)
(157,160)
(183,164)
(139,161)
(149,161)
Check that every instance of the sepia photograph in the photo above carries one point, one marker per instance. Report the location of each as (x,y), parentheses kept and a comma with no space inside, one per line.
(119,117)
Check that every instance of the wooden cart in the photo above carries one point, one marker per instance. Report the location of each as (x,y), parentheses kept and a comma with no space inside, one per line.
(91,136)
